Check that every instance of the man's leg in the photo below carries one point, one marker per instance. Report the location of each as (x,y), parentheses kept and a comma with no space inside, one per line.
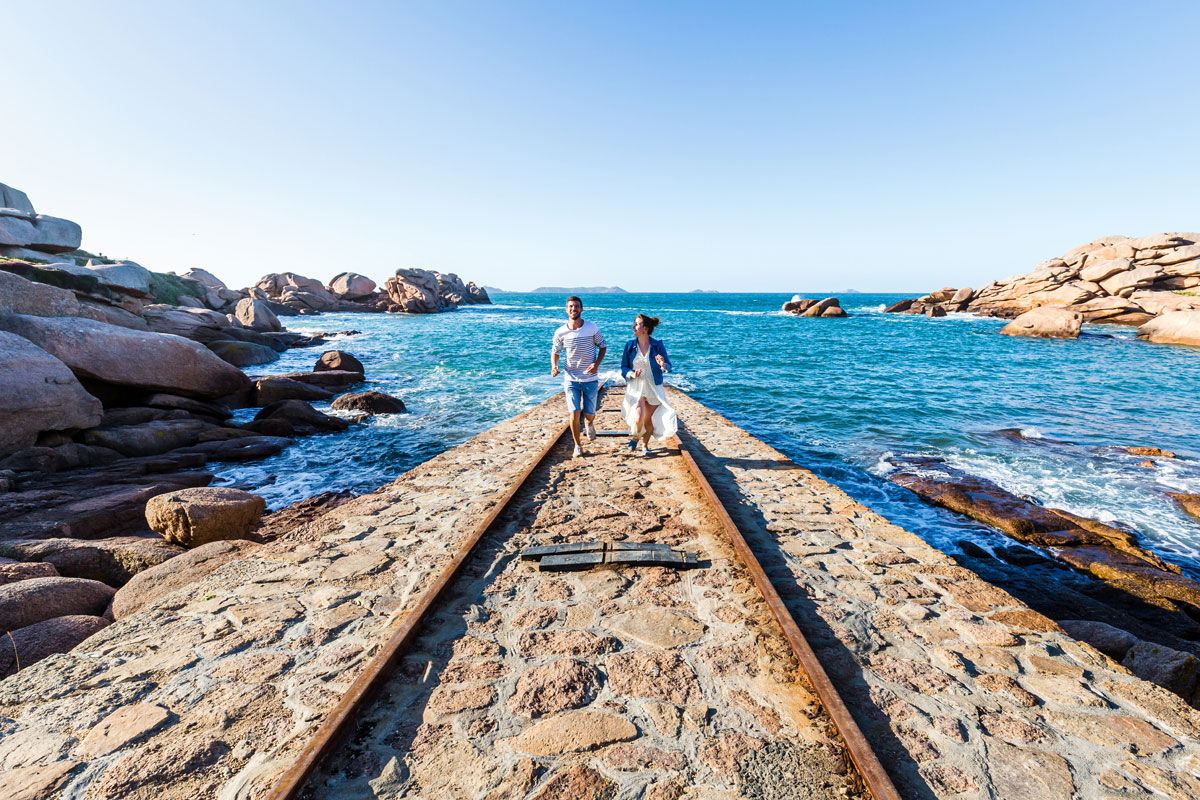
(574,406)
(575,428)
(589,394)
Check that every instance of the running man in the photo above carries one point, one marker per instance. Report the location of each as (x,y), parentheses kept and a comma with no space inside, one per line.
(585,349)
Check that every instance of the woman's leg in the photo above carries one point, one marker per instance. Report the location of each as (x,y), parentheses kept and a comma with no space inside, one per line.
(648,425)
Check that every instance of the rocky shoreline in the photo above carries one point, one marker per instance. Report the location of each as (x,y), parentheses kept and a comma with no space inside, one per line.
(1151,282)
(119,386)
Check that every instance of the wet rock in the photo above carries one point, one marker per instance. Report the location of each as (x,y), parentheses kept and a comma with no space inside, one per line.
(559,685)
(255,314)
(34,642)
(272,390)
(245,447)
(38,599)
(573,732)
(369,402)
(302,417)
(336,360)
(1169,668)
(1047,322)
(112,561)
(38,393)
(331,379)
(192,517)
(1149,451)
(821,307)
(1190,503)
(193,565)
(798,305)
(896,308)
(148,438)
(243,354)
(129,358)
(274,428)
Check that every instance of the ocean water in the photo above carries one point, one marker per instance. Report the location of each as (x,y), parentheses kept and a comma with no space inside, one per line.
(843,397)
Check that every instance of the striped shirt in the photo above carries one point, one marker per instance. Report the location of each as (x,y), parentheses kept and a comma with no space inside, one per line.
(581,346)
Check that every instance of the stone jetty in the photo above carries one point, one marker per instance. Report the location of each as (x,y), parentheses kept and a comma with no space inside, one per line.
(639,682)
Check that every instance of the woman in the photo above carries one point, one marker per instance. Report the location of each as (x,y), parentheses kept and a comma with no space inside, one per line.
(645,404)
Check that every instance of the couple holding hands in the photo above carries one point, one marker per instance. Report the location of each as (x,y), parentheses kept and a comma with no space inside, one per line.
(643,363)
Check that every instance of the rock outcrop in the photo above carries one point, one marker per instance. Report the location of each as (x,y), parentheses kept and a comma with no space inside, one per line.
(303,418)
(193,517)
(1116,279)
(352,286)
(830,307)
(38,393)
(338,360)
(22,228)
(38,599)
(369,403)
(255,314)
(1046,322)
(419,291)
(1173,327)
(21,296)
(114,355)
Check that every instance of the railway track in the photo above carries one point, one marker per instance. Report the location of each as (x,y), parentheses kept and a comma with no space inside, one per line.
(509,681)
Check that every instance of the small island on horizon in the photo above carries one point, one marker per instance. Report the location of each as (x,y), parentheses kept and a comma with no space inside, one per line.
(579,290)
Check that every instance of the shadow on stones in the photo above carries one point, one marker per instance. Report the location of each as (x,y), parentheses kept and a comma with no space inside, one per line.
(839,662)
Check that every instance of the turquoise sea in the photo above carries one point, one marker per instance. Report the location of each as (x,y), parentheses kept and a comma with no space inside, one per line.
(843,397)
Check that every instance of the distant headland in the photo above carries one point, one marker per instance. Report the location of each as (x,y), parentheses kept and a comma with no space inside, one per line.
(579,290)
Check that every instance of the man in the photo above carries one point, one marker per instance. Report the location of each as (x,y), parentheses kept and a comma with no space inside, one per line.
(585,348)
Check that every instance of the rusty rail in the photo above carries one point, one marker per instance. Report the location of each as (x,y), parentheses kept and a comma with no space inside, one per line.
(877,781)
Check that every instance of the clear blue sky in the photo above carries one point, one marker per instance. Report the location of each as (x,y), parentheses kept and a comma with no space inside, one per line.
(658,146)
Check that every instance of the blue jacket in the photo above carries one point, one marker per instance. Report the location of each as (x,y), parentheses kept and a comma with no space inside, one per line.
(656,349)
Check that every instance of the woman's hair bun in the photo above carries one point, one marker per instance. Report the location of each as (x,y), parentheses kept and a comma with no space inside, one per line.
(649,322)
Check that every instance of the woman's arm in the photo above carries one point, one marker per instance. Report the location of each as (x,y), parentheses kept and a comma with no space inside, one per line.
(627,362)
(666,365)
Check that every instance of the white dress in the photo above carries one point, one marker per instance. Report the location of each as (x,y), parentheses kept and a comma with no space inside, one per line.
(663,420)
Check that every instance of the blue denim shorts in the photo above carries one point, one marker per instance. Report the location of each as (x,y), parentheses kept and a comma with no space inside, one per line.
(581,395)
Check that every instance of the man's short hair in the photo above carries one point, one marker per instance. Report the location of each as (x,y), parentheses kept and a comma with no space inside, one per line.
(576,299)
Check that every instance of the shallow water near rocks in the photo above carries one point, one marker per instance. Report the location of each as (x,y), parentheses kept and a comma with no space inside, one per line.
(842,397)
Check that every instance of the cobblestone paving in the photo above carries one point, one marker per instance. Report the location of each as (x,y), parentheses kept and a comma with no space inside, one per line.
(962,691)
(639,682)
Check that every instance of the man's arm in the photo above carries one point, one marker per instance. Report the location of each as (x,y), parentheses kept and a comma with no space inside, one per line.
(556,346)
(554,365)
(595,365)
